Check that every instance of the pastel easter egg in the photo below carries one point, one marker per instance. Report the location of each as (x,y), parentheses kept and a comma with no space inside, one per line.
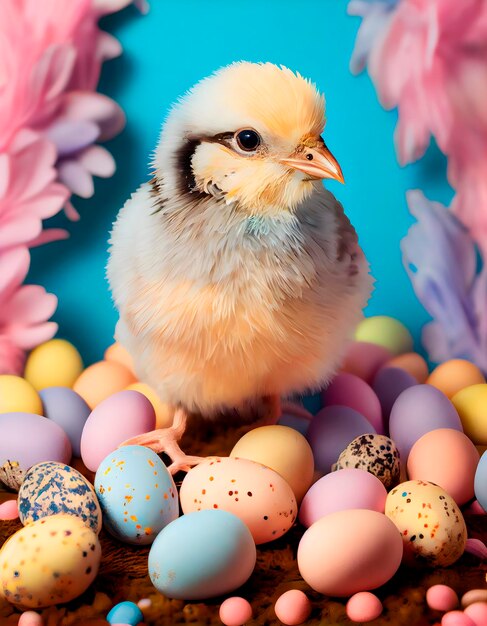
(454,375)
(18,395)
(101,380)
(65,407)
(202,555)
(480,481)
(471,403)
(256,494)
(125,613)
(441,598)
(349,551)
(388,384)
(48,562)
(118,354)
(330,432)
(235,611)
(51,488)
(293,607)
(27,439)
(418,410)
(282,449)
(137,494)
(164,412)
(411,362)
(349,390)
(365,359)
(118,418)
(386,332)
(447,458)
(55,363)
(376,454)
(339,491)
(364,607)
(431,525)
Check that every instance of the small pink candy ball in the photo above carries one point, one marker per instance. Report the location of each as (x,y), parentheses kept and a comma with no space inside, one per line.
(457,618)
(30,618)
(478,613)
(441,598)
(364,607)
(235,611)
(293,607)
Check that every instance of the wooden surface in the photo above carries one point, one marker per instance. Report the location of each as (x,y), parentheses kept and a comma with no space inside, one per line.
(123,576)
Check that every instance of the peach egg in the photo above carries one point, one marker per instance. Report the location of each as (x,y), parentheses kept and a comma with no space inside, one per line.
(413,363)
(118,354)
(102,379)
(454,375)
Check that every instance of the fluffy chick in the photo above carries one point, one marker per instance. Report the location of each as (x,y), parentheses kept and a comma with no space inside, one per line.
(236,274)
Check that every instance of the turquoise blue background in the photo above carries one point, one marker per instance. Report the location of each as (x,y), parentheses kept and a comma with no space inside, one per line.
(173,46)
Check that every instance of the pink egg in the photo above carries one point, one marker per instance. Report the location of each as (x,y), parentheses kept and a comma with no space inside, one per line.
(293,607)
(449,459)
(350,390)
(441,598)
(9,510)
(345,489)
(30,618)
(364,607)
(457,618)
(478,613)
(365,359)
(122,416)
(235,611)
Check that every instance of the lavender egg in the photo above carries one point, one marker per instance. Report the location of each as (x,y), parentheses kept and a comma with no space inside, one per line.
(68,409)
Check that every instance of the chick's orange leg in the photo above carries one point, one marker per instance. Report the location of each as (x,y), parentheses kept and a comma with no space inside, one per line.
(272,410)
(166,440)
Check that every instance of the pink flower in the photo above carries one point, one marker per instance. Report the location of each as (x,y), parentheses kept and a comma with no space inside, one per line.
(432,64)
(24,310)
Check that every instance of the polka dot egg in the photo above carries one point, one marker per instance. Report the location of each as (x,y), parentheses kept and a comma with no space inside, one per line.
(256,494)
(137,494)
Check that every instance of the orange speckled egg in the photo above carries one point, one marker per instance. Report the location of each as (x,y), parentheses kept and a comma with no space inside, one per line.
(413,363)
(101,380)
(454,375)
(256,494)
(118,354)
(447,458)
(164,412)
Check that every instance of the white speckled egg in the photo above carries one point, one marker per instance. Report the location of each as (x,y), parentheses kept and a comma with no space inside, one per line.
(137,494)
(48,562)
(256,494)
(431,524)
(376,454)
(54,488)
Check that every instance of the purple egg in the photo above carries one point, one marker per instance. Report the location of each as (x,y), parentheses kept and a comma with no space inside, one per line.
(28,439)
(301,424)
(330,432)
(68,409)
(388,384)
(417,411)
(350,390)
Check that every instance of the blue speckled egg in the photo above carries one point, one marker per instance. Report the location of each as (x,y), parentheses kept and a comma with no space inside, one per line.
(137,494)
(52,488)
(202,555)
(125,613)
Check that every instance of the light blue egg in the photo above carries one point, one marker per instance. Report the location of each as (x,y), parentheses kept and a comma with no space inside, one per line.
(125,613)
(202,555)
(137,494)
(480,484)
(67,409)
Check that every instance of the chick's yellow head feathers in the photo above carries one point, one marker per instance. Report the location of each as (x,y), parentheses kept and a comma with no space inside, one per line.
(250,134)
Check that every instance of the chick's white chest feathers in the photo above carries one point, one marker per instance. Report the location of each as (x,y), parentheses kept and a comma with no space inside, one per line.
(218,307)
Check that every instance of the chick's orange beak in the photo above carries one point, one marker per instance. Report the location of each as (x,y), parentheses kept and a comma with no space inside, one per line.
(316,162)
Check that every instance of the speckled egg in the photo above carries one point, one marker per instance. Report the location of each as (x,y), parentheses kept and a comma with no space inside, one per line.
(376,454)
(432,527)
(52,488)
(51,561)
(137,494)
(256,494)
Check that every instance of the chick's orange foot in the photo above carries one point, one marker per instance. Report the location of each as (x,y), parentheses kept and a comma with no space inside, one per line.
(165,440)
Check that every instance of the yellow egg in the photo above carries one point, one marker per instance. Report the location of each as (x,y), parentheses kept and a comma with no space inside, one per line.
(284,450)
(102,379)
(386,332)
(55,363)
(164,413)
(471,405)
(116,352)
(412,363)
(17,395)
(454,375)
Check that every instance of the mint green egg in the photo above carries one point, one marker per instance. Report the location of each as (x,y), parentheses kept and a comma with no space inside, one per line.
(386,332)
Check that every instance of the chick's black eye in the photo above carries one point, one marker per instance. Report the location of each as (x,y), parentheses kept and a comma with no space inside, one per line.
(248,140)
